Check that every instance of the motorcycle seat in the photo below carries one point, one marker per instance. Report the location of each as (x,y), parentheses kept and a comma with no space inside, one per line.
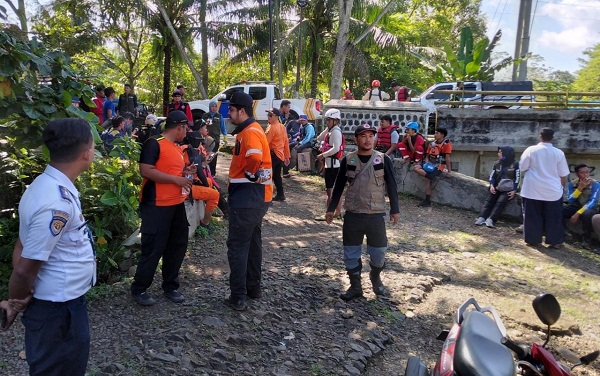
(479,351)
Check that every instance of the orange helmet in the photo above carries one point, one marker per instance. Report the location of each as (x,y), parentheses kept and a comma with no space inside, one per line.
(375,83)
(347,92)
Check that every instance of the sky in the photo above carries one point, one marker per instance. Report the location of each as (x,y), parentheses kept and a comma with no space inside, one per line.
(560,31)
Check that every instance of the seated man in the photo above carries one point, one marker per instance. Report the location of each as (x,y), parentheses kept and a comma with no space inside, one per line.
(306,136)
(117,130)
(437,161)
(583,193)
(387,136)
(412,146)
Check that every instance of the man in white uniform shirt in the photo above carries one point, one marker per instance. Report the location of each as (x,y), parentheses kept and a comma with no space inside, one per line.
(54,257)
(542,191)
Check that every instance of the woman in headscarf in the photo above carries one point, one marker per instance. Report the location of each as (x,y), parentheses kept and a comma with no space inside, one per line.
(504,180)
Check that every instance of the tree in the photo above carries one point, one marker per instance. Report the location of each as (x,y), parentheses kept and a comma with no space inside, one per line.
(19,10)
(588,77)
(471,61)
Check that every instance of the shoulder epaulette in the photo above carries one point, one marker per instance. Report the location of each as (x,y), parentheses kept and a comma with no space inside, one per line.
(64,193)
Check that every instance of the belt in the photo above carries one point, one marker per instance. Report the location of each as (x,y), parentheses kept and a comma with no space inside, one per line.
(48,303)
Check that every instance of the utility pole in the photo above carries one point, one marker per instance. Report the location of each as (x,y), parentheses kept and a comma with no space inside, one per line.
(271,38)
(301,4)
(522,40)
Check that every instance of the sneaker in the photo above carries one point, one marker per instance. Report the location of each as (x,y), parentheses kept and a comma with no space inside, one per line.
(519,229)
(425,204)
(279,198)
(555,246)
(144,299)
(479,221)
(287,175)
(320,218)
(489,223)
(236,305)
(174,296)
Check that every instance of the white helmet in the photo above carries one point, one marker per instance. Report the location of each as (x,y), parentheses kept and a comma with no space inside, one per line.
(151,119)
(333,114)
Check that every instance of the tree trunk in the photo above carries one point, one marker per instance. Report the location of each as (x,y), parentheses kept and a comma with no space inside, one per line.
(20,12)
(182,51)
(168,53)
(314,73)
(337,71)
(204,43)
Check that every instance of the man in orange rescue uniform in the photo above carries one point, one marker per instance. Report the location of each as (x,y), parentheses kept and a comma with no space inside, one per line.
(250,193)
(280,149)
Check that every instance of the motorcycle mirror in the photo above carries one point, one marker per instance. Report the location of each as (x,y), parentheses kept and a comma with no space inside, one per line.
(546,308)
(587,359)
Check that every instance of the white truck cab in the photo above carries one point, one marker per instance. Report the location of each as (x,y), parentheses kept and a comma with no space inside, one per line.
(266,95)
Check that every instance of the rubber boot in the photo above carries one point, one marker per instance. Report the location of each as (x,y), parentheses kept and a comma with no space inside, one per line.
(355,290)
(375,277)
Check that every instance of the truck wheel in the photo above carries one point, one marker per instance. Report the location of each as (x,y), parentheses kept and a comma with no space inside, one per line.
(498,108)
(294,115)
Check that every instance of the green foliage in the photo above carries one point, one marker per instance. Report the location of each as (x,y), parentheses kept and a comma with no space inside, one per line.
(471,61)
(109,193)
(37,85)
(588,76)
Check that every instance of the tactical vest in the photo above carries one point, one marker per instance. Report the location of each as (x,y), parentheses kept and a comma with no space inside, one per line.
(128,104)
(366,190)
(384,136)
(584,197)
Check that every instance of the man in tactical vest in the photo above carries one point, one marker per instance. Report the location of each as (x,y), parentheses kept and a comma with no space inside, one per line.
(370,175)
(179,105)
(127,101)
(216,127)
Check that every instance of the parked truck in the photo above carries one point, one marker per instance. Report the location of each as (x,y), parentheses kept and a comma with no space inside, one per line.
(432,97)
(266,95)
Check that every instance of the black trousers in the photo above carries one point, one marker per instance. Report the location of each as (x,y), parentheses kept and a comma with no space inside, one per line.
(585,218)
(542,217)
(244,250)
(494,205)
(213,165)
(164,234)
(277,180)
(57,337)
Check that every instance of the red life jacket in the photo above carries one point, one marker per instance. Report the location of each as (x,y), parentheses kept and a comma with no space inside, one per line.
(403,94)
(326,146)
(384,136)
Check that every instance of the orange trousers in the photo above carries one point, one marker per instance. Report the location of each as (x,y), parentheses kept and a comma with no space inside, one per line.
(209,195)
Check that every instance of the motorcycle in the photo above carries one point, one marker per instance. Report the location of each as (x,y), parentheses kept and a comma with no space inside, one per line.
(478,345)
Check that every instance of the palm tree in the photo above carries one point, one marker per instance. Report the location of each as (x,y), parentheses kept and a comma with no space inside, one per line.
(163,42)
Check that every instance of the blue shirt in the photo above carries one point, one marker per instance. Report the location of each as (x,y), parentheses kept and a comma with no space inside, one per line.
(53,230)
(309,133)
(108,105)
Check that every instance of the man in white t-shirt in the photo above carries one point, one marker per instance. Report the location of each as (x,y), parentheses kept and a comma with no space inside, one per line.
(542,191)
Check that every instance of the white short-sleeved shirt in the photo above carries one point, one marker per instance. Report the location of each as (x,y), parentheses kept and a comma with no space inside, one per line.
(545,165)
(53,230)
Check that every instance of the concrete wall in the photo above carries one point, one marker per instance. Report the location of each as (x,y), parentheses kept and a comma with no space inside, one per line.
(357,112)
(476,135)
(459,191)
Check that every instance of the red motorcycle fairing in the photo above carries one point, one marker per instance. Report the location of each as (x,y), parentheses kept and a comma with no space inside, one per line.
(445,365)
(553,368)
(479,350)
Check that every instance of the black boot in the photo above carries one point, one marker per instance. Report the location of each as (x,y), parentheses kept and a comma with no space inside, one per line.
(375,277)
(355,290)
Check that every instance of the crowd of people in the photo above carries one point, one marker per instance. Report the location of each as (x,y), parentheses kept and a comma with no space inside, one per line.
(54,257)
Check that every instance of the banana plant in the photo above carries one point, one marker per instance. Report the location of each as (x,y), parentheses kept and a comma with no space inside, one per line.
(471,61)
